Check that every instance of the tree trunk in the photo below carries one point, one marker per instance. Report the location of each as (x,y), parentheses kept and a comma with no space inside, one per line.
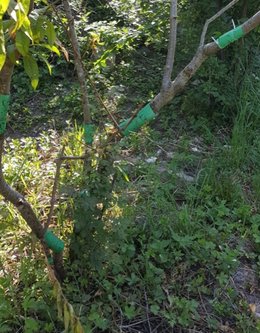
(78,62)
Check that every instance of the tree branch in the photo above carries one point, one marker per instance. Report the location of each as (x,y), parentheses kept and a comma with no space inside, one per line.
(63,158)
(78,62)
(5,190)
(55,186)
(171,47)
(9,194)
(189,71)
(18,200)
(101,102)
(213,18)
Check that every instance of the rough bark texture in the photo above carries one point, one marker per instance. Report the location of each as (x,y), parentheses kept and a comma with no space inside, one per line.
(78,61)
(252,23)
(189,71)
(58,266)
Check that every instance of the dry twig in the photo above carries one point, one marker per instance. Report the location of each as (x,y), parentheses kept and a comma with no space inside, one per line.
(54,189)
(147,311)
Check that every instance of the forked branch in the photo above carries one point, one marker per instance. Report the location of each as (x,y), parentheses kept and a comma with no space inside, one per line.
(213,18)
(203,52)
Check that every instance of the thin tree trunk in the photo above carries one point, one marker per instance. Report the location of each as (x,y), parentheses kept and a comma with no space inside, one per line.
(171,47)
(6,77)
(78,62)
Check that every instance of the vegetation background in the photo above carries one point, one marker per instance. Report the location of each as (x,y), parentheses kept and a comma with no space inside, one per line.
(162,234)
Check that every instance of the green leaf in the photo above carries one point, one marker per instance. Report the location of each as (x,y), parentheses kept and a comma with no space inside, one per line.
(31,325)
(32,70)
(18,15)
(59,303)
(2,60)
(7,24)
(37,26)
(27,28)
(52,48)
(129,311)
(22,43)
(2,46)
(123,173)
(47,64)
(3,7)
(50,33)
(79,328)
(155,309)
(26,5)
(72,318)
(66,317)
(71,311)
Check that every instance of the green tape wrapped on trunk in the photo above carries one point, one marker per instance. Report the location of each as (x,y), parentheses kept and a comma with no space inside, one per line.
(53,242)
(4,103)
(230,37)
(144,116)
(89,131)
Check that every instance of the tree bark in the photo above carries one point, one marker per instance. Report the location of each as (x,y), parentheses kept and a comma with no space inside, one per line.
(78,62)
(6,77)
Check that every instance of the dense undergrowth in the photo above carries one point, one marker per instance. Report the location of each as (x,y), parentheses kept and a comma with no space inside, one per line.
(163,234)
(178,226)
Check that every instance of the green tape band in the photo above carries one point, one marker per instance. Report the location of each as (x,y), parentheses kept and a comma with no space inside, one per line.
(230,37)
(4,103)
(53,242)
(89,131)
(144,116)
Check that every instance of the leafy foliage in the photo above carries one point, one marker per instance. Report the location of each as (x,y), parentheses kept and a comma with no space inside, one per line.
(20,31)
(162,223)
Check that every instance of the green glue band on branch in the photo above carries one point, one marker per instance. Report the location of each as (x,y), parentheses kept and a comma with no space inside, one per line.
(144,116)
(230,37)
(89,131)
(53,242)
(4,104)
